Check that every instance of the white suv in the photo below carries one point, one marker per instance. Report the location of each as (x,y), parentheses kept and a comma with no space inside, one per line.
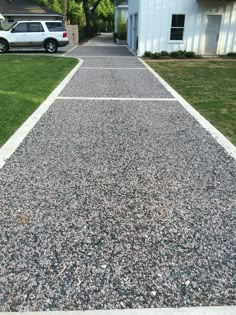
(47,34)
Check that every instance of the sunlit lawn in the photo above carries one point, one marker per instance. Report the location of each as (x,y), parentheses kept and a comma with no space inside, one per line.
(210,86)
(25,81)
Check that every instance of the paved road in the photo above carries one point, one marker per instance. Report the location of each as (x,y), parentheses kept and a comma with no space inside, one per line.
(116,203)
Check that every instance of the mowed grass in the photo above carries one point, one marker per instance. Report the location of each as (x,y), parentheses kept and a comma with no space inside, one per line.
(209,86)
(25,82)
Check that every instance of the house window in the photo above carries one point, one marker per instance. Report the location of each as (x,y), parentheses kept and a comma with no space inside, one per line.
(177,27)
(10,19)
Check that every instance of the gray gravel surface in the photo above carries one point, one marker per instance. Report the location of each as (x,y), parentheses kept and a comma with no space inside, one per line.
(107,62)
(117,205)
(100,51)
(115,83)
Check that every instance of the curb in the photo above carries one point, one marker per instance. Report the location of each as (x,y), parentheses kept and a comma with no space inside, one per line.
(211,310)
(15,140)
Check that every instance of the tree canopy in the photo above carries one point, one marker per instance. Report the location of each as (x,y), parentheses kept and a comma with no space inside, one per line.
(94,15)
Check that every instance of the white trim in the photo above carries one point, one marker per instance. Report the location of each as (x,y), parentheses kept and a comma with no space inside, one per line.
(211,310)
(216,134)
(13,143)
(116,99)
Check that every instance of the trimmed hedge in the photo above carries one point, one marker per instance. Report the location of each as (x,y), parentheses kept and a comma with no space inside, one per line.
(231,54)
(180,54)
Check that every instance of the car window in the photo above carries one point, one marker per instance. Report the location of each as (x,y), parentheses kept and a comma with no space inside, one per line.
(55,27)
(20,28)
(35,27)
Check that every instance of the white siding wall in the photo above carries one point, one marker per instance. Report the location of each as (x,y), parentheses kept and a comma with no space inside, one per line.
(155,23)
(133,12)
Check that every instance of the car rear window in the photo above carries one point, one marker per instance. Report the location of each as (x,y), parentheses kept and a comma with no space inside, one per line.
(55,27)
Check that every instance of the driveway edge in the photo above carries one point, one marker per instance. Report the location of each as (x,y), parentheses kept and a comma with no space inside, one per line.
(210,310)
(215,133)
(15,140)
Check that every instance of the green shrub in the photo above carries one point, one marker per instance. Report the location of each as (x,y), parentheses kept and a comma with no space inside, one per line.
(122,35)
(156,55)
(164,53)
(148,54)
(231,54)
(190,54)
(121,29)
(174,54)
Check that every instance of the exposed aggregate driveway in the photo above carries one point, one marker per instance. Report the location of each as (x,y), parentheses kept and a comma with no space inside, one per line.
(116,204)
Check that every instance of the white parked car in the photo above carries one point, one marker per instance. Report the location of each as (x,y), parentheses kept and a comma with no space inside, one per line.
(47,34)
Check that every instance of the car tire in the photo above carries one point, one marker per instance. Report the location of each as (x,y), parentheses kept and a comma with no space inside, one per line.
(51,46)
(4,47)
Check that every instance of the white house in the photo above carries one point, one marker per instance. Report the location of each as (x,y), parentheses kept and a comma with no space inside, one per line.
(207,27)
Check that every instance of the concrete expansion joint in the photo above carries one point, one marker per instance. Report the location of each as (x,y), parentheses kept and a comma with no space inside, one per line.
(116,99)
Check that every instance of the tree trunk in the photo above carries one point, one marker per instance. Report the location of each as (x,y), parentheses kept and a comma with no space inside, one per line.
(87,17)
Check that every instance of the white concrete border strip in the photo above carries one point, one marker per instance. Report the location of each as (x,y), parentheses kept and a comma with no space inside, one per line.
(13,143)
(215,133)
(116,99)
(211,310)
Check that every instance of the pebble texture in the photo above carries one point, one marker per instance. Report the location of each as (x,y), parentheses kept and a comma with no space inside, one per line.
(115,83)
(117,205)
(111,204)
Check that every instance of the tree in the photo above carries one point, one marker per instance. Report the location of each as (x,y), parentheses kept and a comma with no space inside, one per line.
(90,13)
(89,7)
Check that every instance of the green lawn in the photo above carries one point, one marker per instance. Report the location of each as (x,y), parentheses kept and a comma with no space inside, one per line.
(210,86)
(24,83)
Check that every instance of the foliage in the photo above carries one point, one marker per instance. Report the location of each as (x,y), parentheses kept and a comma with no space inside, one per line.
(180,54)
(121,29)
(231,54)
(55,5)
(164,53)
(105,15)
(148,54)
(92,16)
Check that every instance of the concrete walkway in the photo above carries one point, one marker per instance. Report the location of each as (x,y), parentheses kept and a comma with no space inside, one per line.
(117,199)
(105,39)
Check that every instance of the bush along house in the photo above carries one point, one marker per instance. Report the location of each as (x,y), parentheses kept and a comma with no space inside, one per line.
(205,27)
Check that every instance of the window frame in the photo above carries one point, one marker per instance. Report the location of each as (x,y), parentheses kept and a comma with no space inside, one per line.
(177,27)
